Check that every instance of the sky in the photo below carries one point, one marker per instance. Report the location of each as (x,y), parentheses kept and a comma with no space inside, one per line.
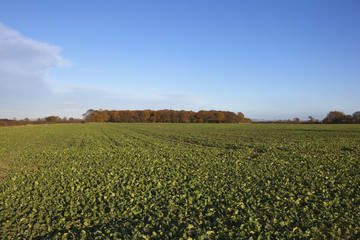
(267,59)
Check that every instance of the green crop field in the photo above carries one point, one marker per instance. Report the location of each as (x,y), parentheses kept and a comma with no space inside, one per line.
(180,181)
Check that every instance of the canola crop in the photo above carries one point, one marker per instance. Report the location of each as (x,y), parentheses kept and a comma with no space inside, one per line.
(180,181)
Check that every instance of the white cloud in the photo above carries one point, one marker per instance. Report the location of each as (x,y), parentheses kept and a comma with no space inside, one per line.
(9,111)
(68,103)
(171,100)
(24,63)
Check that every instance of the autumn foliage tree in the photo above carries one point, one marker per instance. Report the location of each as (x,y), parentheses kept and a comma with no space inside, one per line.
(165,116)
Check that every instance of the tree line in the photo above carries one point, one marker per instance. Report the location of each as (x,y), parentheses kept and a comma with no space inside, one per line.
(46,120)
(332,117)
(173,116)
(165,116)
(340,117)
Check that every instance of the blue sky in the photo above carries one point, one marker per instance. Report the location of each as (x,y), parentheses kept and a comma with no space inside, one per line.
(267,59)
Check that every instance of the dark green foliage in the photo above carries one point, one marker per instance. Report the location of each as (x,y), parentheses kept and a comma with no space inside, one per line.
(180,181)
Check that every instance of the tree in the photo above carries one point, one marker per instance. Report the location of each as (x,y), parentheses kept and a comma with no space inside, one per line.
(153,117)
(201,116)
(356,117)
(241,115)
(311,119)
(87,115)
(52,119)
(335,117)
(231,117)
(296,120)
(96,117)
(174,116)
(164,116)
(219,117)
(105,115)
(114,116)
(184,117)
(144,115)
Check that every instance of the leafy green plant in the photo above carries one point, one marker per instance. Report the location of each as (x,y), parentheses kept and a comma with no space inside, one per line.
(180,181)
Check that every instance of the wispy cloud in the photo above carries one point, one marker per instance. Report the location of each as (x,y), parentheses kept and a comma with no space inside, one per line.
(9,111)
(68,103)
(173,100)
(25,62)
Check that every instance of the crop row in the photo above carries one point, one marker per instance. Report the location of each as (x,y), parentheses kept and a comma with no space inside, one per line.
(180,181)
